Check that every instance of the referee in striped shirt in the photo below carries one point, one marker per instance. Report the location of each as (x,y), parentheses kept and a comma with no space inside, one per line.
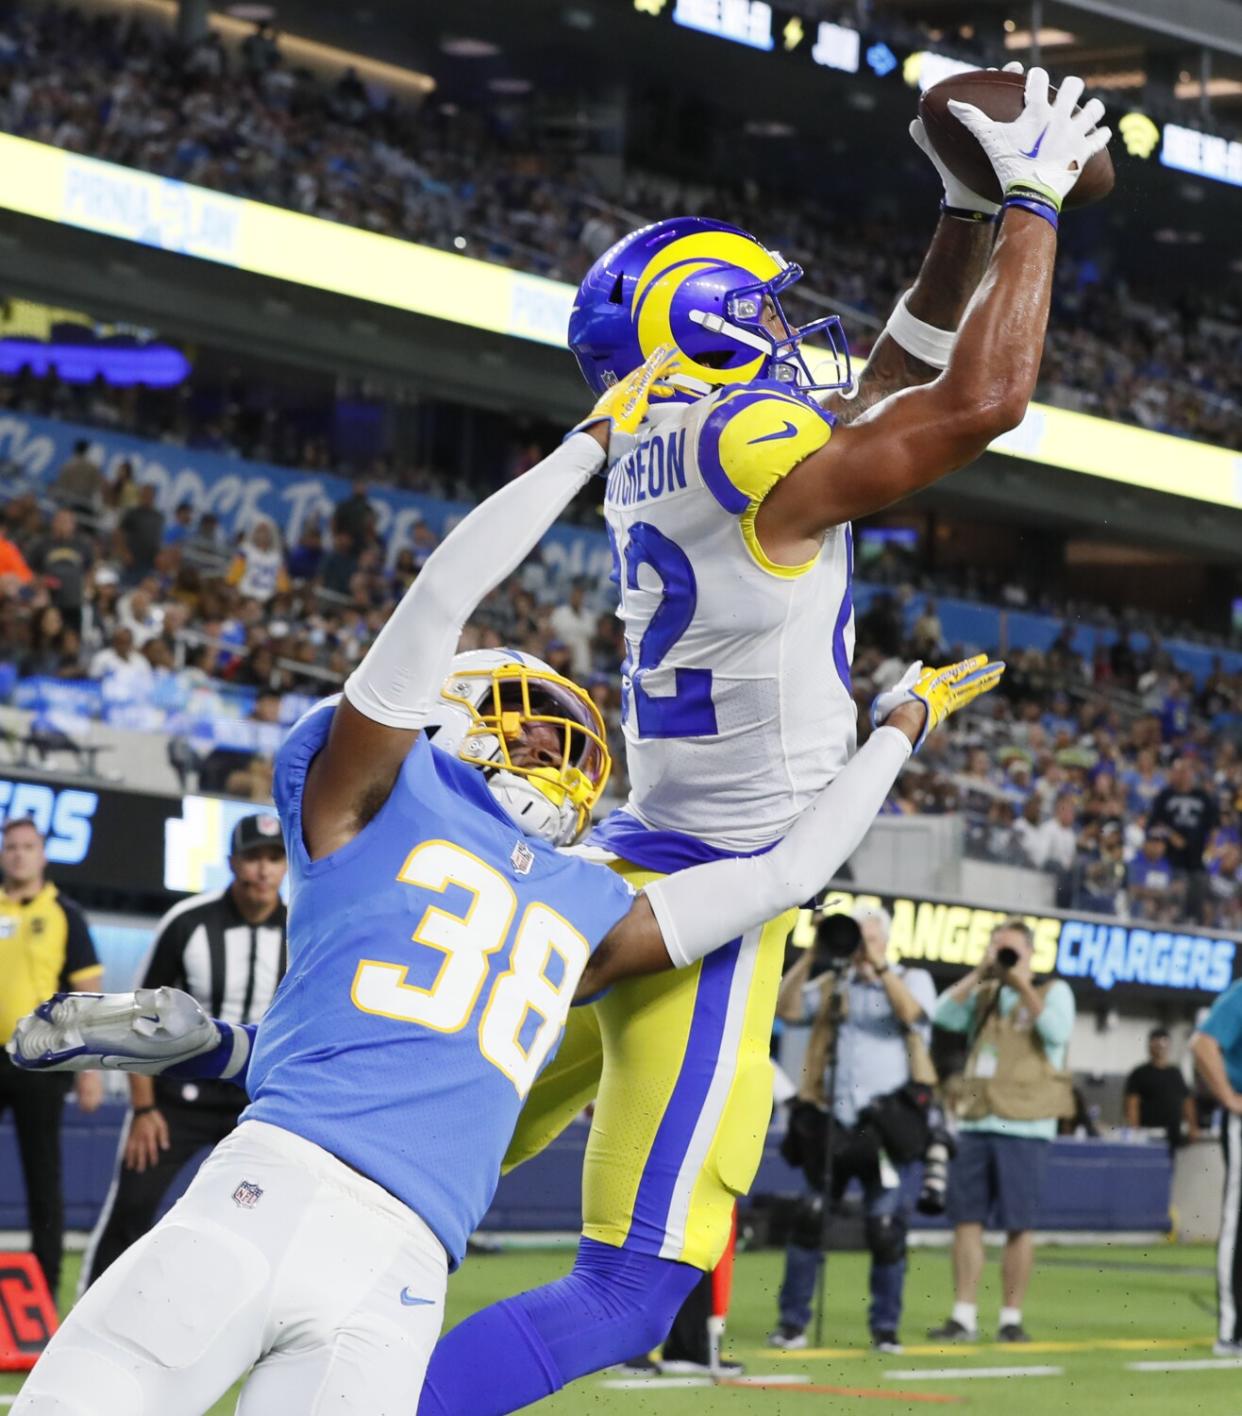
(227,949)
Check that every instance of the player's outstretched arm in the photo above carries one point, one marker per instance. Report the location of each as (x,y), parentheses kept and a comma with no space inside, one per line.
(153,1032)
(390,695)
(918,339)
(685,916)
(917,436)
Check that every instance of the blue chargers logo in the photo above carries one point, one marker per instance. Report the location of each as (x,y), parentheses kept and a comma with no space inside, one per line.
(64,816)
(1108,954)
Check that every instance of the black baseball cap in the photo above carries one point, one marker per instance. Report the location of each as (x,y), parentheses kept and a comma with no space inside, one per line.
(261,829)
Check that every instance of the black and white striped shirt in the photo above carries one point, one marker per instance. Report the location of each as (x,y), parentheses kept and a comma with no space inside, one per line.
(207,947)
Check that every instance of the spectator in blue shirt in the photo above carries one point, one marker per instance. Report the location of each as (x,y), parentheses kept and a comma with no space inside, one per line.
(181,527)
(1143,782)
(1151,882)
(1217,1050)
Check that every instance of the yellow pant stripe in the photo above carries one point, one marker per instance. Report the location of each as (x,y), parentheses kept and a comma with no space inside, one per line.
(678,1063)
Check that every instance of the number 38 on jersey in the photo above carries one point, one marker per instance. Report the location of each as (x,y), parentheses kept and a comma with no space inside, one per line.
(527,1004)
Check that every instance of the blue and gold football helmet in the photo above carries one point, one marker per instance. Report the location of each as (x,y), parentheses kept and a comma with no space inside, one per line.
(704,288)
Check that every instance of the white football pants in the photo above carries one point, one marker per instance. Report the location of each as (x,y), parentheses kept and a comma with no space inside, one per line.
(279,1257)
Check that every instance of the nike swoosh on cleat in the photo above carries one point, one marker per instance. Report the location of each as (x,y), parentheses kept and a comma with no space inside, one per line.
(1039,142)
(788,431)
(409,1300)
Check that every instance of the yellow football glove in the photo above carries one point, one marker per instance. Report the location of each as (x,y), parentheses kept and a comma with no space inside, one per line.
(624,406)
(940,691)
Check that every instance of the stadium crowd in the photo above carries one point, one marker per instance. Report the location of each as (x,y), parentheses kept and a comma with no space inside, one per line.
(1120,775)
(246,122)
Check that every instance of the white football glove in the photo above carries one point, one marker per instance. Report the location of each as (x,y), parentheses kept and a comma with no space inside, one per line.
(145,1031)
(956,193)
(1045,149)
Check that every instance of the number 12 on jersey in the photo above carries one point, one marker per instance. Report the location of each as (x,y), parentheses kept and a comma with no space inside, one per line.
(688,711)
(467,941)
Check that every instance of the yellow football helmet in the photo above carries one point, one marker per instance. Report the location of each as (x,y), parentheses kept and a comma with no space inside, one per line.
(490,699)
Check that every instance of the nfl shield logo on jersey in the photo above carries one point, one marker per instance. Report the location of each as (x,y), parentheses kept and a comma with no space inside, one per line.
(522,858)
(246,1196)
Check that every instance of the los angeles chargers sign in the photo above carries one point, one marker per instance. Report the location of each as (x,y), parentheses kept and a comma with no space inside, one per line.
(1083,949)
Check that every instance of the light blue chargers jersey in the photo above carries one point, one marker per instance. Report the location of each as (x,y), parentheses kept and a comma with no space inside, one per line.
(432,962)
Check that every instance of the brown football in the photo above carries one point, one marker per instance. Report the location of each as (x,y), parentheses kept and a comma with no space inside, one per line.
(1000,96)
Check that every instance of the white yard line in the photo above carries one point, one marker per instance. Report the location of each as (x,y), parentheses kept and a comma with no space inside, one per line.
(655,1383)
(965,1374)
(680,1383)
(779,1379)
(1199,1364)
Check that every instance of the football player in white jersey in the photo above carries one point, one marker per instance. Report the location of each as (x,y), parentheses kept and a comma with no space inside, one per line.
(730,524)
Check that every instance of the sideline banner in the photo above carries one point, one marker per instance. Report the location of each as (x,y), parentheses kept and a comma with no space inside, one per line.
(240,492)
(105,838)
(168,215)
(1080,948)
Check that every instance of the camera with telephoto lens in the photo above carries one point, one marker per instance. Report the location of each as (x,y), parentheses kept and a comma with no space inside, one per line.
(1007,956)
(934,1194)
(837,937)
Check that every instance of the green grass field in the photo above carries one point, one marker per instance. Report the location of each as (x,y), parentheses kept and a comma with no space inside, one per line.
(1093,1312)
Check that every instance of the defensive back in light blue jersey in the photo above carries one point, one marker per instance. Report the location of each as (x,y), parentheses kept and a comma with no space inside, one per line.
(432,961)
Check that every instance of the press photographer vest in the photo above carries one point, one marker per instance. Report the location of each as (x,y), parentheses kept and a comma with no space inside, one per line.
(1008,1072)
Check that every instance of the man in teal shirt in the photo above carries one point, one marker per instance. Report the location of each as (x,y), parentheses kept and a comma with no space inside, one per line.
(1217,1050)
(999,1167)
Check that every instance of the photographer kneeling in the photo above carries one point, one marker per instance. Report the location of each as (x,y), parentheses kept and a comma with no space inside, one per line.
(1009,1100)
(866,1011)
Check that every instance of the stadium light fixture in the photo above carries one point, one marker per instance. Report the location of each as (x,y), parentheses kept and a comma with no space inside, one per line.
(460,46)
(1116,79)
(1045,38)
(1215,88)
(768,128)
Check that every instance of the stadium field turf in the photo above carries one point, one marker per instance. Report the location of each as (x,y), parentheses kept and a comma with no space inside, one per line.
(1094,1314)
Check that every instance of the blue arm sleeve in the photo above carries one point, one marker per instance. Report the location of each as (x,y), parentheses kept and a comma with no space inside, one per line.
(228,1061)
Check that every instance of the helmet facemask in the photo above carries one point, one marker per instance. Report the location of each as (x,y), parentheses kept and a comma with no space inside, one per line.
(551,799)
(745,322)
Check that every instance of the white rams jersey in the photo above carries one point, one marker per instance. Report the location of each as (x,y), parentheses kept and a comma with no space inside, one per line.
(736,687)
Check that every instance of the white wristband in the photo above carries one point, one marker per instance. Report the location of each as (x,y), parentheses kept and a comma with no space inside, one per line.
(933,346)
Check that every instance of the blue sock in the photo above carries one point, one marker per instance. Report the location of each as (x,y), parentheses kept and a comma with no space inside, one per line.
(614,1304)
